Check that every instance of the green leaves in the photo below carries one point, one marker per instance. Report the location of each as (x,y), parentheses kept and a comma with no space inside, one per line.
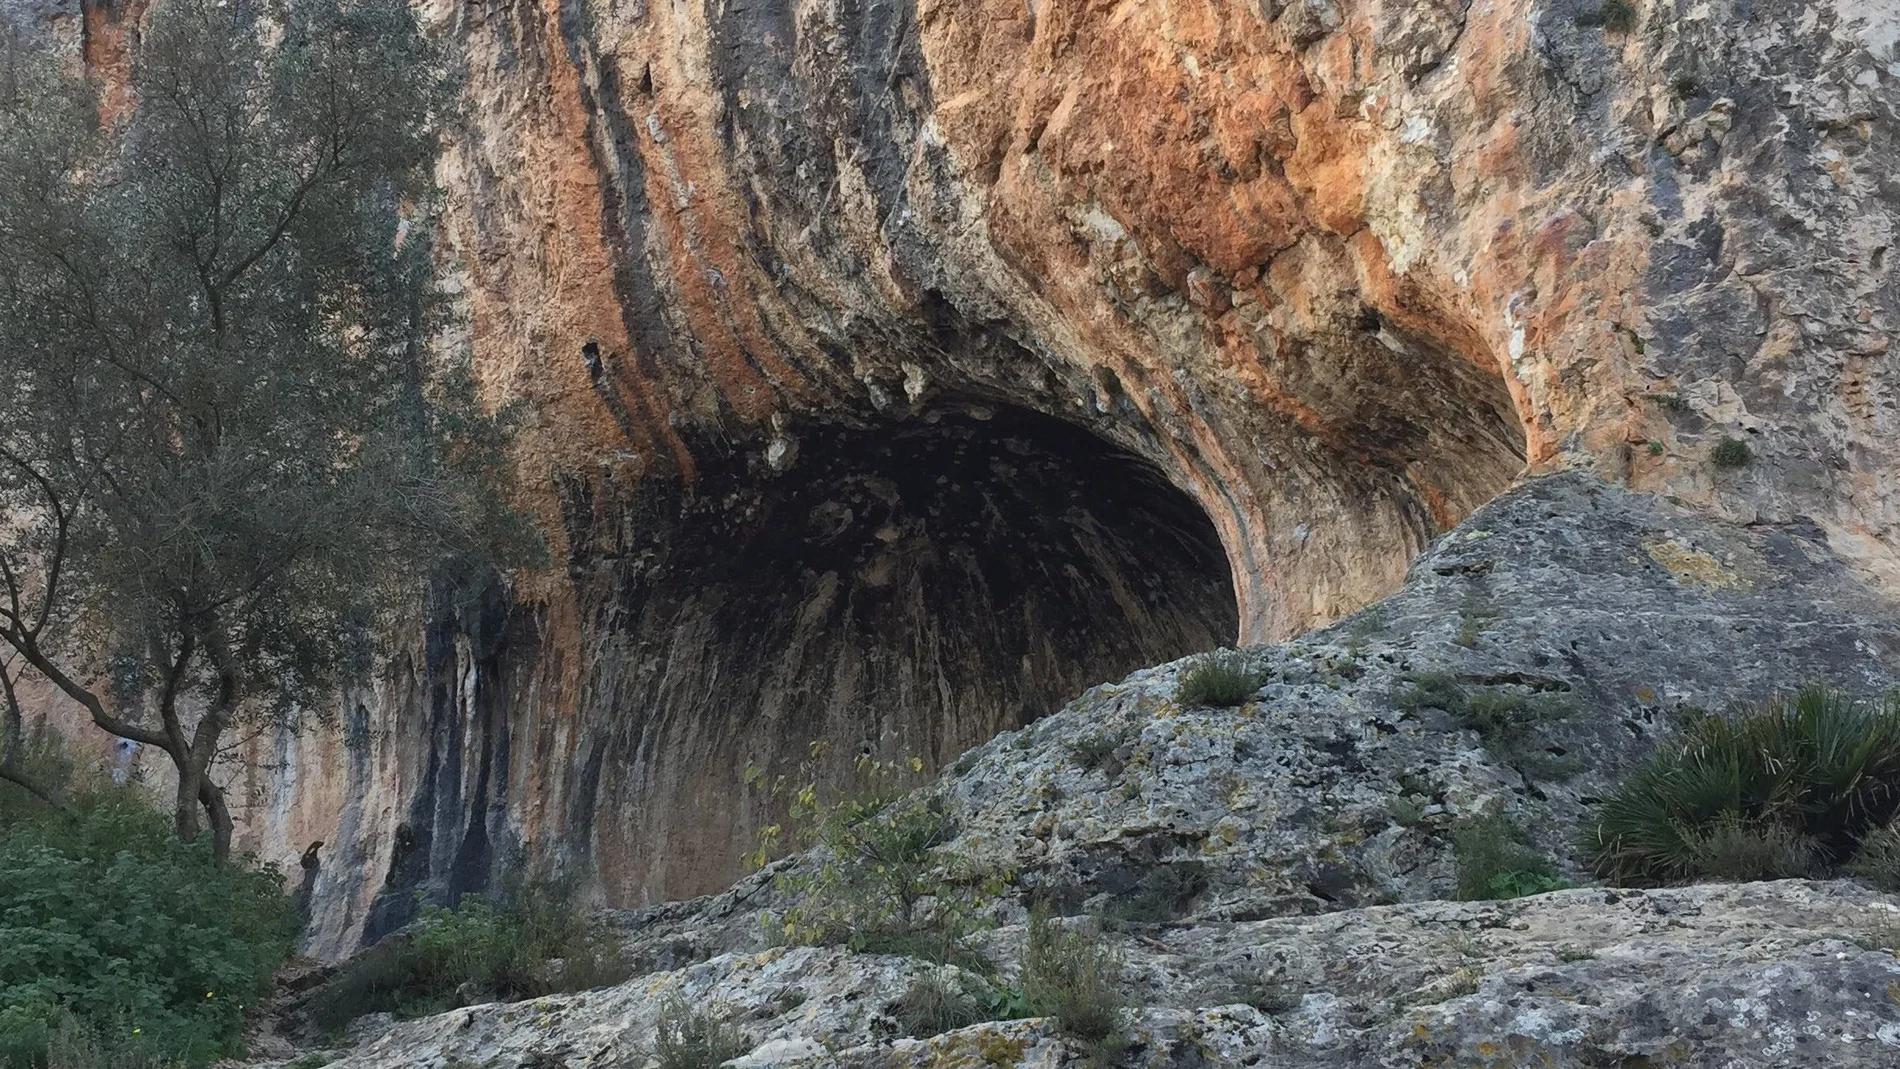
(1495,861)
(233,441)
(106,916)
(500,951)
(1778,790)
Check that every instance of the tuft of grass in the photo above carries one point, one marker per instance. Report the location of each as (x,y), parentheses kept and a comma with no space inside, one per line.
(1735,849)
(1164,893)
(686,1037)
(1731,453)
(1471,624)
(933,1005)
(1495,861)
(1877,858)
(1787,787)
(1405,812)
(1503,719)
(1097,750)
(1219,679)
(1070,974)
(1270,993)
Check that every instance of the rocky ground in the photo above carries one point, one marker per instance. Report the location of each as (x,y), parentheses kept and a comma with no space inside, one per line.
(1765,974)
(1283,869)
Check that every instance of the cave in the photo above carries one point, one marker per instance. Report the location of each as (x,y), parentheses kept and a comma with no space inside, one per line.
(902,588)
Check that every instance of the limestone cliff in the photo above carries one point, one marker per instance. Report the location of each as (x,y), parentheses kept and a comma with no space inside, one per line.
(897,368)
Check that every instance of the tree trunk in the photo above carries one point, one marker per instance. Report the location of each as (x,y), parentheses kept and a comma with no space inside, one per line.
(221,823)
(13,746)
(188,805)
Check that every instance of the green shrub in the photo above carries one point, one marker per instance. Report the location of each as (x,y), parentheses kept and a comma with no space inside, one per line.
(495,952)
(878,882)
(689,1038)
(1219,679)
(1786,787)
(1494,861)
(1070,974)
(75,1044)
(1731,453)
(121,945)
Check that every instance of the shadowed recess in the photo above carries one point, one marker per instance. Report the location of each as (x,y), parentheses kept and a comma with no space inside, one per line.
(906,588)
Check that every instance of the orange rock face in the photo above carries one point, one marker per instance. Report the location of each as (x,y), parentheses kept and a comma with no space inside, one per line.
(1328,274)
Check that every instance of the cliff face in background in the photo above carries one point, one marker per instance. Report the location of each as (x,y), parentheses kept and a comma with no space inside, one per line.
(897,369)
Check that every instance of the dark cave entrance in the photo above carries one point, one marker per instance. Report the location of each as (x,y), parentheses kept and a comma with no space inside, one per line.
(913,587)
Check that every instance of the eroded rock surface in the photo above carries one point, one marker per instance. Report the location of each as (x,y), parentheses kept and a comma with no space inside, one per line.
(1756,975)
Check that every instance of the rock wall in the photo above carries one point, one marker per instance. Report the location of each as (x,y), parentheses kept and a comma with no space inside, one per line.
(897,367)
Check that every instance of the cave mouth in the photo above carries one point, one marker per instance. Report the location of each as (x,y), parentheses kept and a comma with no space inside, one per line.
(908,588)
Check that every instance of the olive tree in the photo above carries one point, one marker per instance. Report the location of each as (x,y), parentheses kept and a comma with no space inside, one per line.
(230,444)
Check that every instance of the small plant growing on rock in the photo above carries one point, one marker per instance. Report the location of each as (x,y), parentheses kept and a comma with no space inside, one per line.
(1731,453)
(1268,992)
(1405,812)
(1495,862)
(1164,893)
(1504,719)
(877,882)
(1735,849)
(934,1005)
(690,1038)
(1098,750)
(1616,16)
(1220,679)
(1790,787)
(1472,623)
(1070,974)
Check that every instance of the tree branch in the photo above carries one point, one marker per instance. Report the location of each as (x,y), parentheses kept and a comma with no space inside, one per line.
(28,646)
